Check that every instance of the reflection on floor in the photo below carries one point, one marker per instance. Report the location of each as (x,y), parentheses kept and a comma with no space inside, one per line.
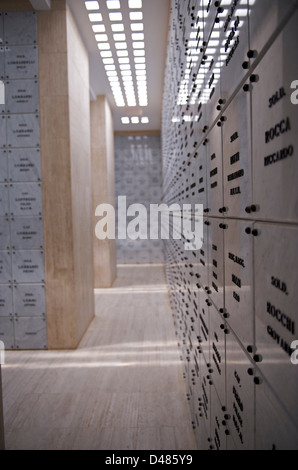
(121,389)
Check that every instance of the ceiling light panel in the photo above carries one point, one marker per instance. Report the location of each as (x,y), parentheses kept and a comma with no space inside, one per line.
(137,26)
(127,75)
(136,15)
(115,16)
(113,4)
(92,6)
(94,17)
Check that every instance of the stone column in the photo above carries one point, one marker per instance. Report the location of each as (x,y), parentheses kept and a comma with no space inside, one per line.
(103,183)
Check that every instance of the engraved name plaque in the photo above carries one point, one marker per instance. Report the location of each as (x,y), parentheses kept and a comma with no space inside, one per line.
(21,62)
(27,233)
(24,165)
(23,130)
(29,300)
(22,96)
(25,199)
(28,266)
(20,28)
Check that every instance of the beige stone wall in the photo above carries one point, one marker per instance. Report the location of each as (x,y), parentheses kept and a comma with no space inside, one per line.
(66,175)
(103,174)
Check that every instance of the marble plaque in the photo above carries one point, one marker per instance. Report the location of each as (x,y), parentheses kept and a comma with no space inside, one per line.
(265,18)
(5,267)
(234,50)
(276,306)
(5,301)
(239,279)
(217,352)
(28,266)
(1,29)
(23,130)
(27,233)
(20,28)
(4,234)
(29,300)
(21,62)
(2,96)
(218,429)
(25,199)
(24,165)
(2,63)
(216,283)
(7,332)
(22,96)
(237,157)
(275,151)
(4,206)
(30,333)
(3,166)
(240,394)
(2,131)
(274,428)
(214,172)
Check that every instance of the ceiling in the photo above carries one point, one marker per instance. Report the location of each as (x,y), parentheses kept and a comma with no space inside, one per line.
(155,28)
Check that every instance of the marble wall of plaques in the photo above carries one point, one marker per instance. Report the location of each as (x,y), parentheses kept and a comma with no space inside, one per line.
(22,275)
(229,142)
(138,177)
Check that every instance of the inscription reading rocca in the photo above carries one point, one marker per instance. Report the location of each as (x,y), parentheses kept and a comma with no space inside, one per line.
(279,129)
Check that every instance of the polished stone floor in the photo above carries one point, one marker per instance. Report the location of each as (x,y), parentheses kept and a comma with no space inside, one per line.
(121,389)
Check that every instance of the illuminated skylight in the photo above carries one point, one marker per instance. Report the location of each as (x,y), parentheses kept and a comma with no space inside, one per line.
(136,15)
(115,16)
(128,81)
(118,27)
(135,4)
(101,38)
(137,36)
(103,46)
(99,28)
(113,4)
(137,27)
(93,17)
(90,5)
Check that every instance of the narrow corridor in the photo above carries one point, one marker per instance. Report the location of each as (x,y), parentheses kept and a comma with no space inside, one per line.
(121,389)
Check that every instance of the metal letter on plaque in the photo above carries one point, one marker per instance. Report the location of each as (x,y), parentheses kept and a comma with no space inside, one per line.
(3,200)
(29,300)
(4,234)
(30,333)
(5,301)
(28,266)
(21,62)
(25,199)
(24,165)
(22,96)
(3,166)
(23,130)
(26,233)
(5,267)
(20,28)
